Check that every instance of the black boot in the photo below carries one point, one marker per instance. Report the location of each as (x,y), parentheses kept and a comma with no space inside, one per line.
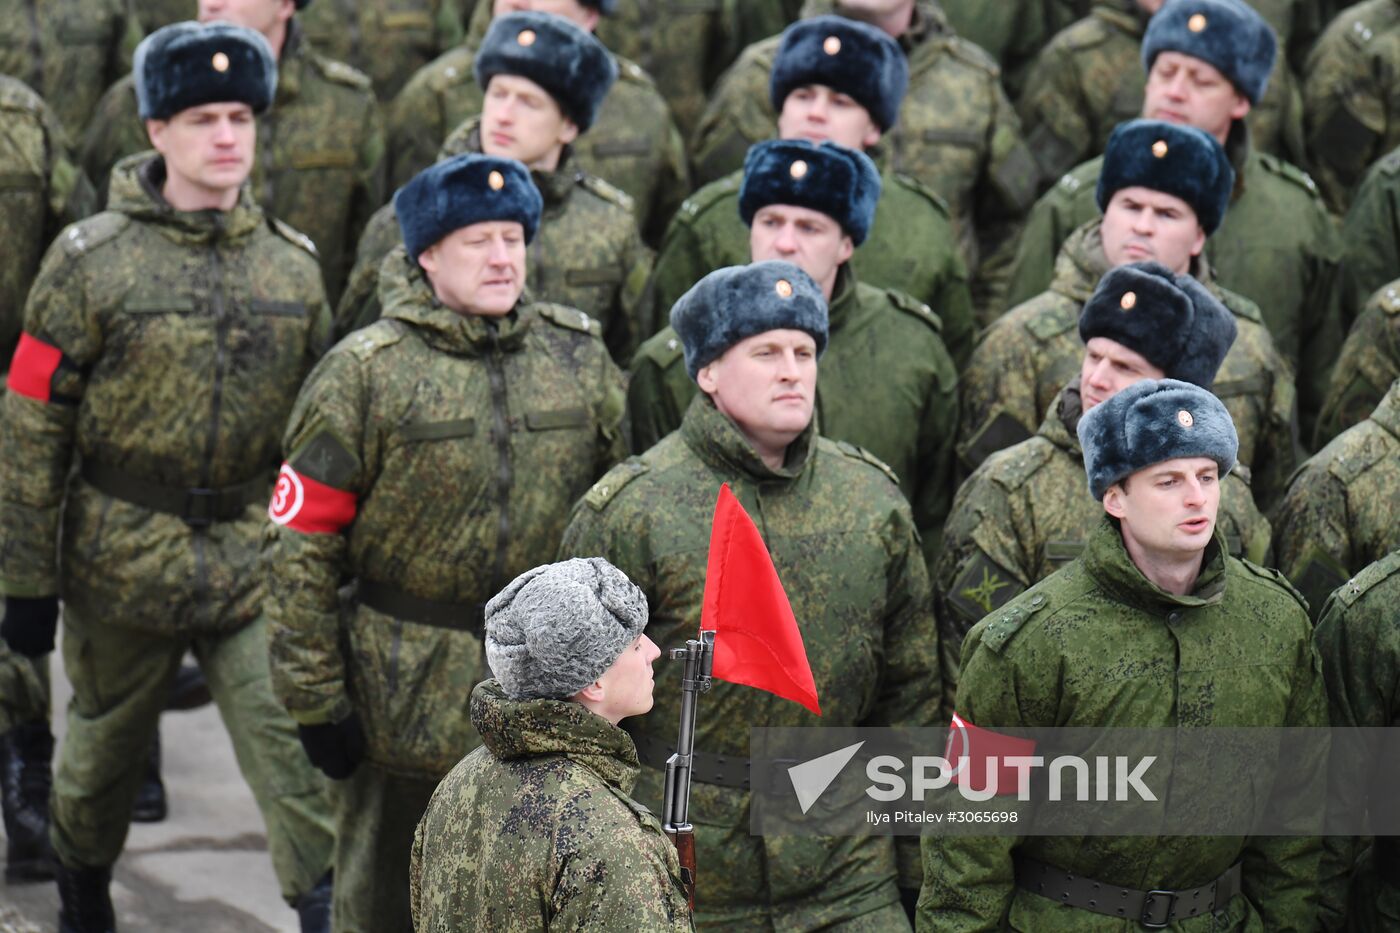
(25,781)
(314,907)
(85,903)
(150,806)
(189,689)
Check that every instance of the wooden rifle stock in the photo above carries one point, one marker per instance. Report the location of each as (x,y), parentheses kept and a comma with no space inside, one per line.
(684,841)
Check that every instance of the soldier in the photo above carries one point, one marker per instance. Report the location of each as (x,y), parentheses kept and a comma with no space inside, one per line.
(68,51)
(1368,364)
(1164,190)
(565,646)
(389,40)
(1086,81)
(162,344)
(1022,515)
(1341,511)
(1208,63)
(888,384)
(320,154)
(589,255)
(850,97)
(1154,626)
(1371,236)
(957,132)
(634,143)
(1011,32)
(430,458)
(752,336)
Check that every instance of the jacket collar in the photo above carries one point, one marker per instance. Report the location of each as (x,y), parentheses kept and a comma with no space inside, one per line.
(1106,560)
(405,295)
(136,190)
(718,442)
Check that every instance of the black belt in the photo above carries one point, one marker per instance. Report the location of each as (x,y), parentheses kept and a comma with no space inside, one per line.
(198,507)
(1153,909)
(724,770)
(392,601)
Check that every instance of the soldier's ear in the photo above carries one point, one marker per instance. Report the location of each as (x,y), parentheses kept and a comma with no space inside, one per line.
(848,246)
(568,132)
(1113,501)
(871,137)
(706,380)
(593,693)
(155,131)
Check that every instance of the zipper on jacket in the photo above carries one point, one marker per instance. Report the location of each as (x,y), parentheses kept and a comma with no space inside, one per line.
(220,314)
(495,366)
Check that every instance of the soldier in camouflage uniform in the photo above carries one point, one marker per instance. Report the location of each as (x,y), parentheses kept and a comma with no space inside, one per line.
(320,149)
(430,458)
(843,541)
(958,134)
(1158,207)
(851,97)
(1087,80)
(588,255)
(1012,32)
(1023,514)
(1368,364)
(1154,626)
(68,51)
(156,14)
(1371,236)
(888,384)
(1277,246)
(633,144)
(566,649)
(163,342)
(389,40)
(1342,510)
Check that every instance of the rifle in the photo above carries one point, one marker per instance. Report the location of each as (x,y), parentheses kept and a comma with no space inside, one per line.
(698,656)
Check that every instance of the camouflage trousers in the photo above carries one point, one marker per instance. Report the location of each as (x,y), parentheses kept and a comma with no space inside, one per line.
(376,814)
(24,689)
(121,679)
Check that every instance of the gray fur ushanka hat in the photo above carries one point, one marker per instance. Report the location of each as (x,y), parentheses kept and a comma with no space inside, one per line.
(464,190)
(833,180)
(848,56)
(1227,34)
(190,64)
(551,51)
(1182,161)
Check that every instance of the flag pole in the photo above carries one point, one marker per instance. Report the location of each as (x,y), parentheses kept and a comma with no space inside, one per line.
(698,655)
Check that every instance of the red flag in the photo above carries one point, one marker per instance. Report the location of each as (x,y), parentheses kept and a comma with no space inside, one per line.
(756,638)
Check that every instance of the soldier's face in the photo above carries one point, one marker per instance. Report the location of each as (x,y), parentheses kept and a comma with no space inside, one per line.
(626,687)
(209,148)
(479,269)
(520,120)
(766,384)
(817,113)
(266,16)
(1109,368)
(1141,224)
(1184,89)
(1168,509)
(585,17)
(1150,6)
(808,239)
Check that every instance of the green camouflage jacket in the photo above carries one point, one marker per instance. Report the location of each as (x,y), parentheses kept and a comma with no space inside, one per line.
(1012,32)
(1026,512)
(887,384)
(460,442)
(844,544)
(957,131)
(1342,509)
(183,338)
(1277,247)
(1025,358)
(41,189)
(581,854)
(1368,364)
(158,13)
(912,247)
(389,40)
(1098,645)
(586,254)
(319,163)
(1371,235)
(68,51)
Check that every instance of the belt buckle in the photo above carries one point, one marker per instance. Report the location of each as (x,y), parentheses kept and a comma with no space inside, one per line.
(191,516)
(1169,897)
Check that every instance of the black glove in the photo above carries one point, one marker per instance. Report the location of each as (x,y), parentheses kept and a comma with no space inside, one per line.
(30,622)
(337,748)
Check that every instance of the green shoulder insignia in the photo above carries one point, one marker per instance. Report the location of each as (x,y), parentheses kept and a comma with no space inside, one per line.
(367,341)
(704,199)
(1003,625)
(15,95)
(1090,32)
(865,456)
(1373,575)
(1069,183)
(662,350)
(1361,33)
(965,51)
(341,73)
(454,72)
(1362,457)
(913,306)
(1052,322)
(1272,575)
(1293,173)
(608,192)
(294,236)
(1239,305)
(570,318)
(607,488)
(1390,164)
(631,72)
(1014,468)
(922,190)
(1389,296)
(87,235)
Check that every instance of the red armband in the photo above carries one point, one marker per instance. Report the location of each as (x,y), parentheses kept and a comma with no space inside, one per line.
(32,368)
(981,755)
(311,507)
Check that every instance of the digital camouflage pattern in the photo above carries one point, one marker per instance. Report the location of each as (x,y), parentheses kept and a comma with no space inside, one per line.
(633,142)
(68,51)
(535,830)
(389,40)
(1025,513)
(957,131)
(887,384)
(156,14)
(1011,32)
(1342,511)
(586,254)
(1098,645)
(843,542)
(1368,364)
(1025,358)
(912,247)
(1371,236)
(1359,644)
(320,157)
(1277,247)
(1089,78)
